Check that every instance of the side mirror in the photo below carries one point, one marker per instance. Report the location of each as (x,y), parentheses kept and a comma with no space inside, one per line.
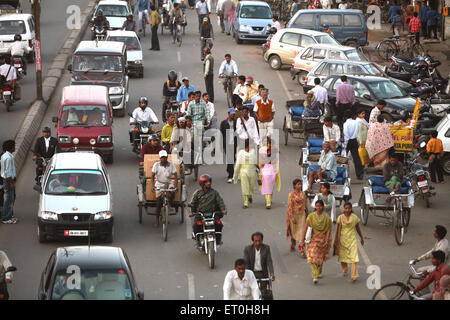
(140,295)
(37,188)
(423,144)
(367,97)
(54,119)
(11,269)
(42,296)
(69,67)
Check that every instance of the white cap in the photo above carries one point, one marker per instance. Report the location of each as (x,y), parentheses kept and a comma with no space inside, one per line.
(163,153)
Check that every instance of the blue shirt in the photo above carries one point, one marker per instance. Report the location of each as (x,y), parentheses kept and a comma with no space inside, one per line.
(431,17)
(397,21)
(143,5)
(423,13)
(183,92)
(8,167)
(393,11)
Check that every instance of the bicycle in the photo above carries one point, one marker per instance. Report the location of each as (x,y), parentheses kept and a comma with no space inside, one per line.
(144,21)
(400,290)
(229,84)
(395,45)
(177,32)
(265,288)
(164,217)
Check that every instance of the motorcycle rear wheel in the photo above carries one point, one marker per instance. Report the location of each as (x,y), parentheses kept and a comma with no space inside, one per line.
(211,254)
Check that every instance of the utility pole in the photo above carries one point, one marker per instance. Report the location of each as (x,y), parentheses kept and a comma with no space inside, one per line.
(36,11)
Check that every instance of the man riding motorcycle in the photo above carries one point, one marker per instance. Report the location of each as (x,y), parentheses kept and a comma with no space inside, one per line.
(129,24)
(141,113)
(207,200)
(45,147)
(153,147)
(10,74)
(18,49)
(170,91)
(100,21)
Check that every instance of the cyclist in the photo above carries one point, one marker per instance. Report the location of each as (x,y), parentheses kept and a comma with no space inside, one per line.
(170,91)
(207,200)
(143,7)
(176,18)
(129,24)
(206,37)
(228,68)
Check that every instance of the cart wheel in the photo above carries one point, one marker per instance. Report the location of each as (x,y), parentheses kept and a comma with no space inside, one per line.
(364,211)
(406,217)
(286,133)
(140,213)
(399,229)
(182,213)
(165,222)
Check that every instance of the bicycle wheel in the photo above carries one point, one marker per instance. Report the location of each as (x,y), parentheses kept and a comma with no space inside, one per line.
(399,228)
(144,24)
(417,50)
(406,216)
(392,291)
(229,96)
(179,39)
(386,49)
(165,221)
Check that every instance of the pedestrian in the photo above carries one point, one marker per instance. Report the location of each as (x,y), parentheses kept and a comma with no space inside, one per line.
(345,99)
(155,20)
(269,170)
(246,127)
(208,73)
(276,23)
(435,151)
(45,147)
(441,243)
(228,7)
(297,211)
(326,4)
(379,141)
(258,258)
(8,174)
(206,37)
(414,27)
(264,110)
(229,142)
(331,133)
(328,199)
(343,5)
(376,111)
(351,128)
(320,93)
(397,22)
(432,18)
(240,283)
(423,17)
(202,10)
(363,127)
(345,242)
(320,243)
(294,8)
(393,9)
(245,170)
(211,110)
(219,13)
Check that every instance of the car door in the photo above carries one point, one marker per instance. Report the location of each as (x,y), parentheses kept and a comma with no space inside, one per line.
(353,27)
(289,47)
(306,60)
(363,97)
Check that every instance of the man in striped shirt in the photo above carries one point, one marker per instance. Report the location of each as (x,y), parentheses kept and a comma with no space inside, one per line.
(414,26)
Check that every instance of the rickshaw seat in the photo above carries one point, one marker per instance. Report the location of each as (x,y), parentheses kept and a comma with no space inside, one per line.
(377,183)
(296,112)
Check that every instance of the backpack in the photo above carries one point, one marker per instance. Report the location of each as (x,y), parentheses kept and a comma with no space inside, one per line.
(3,79)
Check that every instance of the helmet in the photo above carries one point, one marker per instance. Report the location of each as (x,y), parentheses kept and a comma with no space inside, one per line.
(17,37)
(154,137)
(143,99)
(172,75)
(130,15)
(203,179)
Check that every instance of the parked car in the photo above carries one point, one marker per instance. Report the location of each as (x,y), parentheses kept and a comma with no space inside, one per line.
(349,26)
(287,43)
(103,63)
(10,6)
(75,198)
(115,11)
(135,62)
(443,130)
(12,24)
(84,121)
(370,89)
(313,54)
(251,21)
(340,67)
(104,274)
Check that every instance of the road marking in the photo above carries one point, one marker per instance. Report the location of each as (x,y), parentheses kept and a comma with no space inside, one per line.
(368,263)
(179,56)
(191,286)
(284,85)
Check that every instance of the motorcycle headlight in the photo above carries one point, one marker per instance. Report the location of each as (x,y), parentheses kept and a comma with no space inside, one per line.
(104,139)
(244,28)
(115,90)
(144,130)
(102,215)
(48,215)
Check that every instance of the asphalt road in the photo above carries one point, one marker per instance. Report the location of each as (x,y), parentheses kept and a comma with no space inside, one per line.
(53,34)
(175,269)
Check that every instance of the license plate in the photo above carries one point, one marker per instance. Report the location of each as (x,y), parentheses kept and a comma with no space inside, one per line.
(76,233)
(17,65)
(422,183)
(6,93)
(210,238)
(257,32)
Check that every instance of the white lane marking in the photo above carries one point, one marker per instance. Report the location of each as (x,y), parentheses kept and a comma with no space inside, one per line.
(284,85)
(179,56)
(191,286)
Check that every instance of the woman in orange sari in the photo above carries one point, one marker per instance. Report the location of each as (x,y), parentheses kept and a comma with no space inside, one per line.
(320,244)
(296,215)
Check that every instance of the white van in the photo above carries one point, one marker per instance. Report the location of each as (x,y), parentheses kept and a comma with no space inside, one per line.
(12,24)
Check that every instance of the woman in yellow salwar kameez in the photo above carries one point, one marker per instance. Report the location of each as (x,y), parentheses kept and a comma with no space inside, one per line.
(245,170)
(320,244)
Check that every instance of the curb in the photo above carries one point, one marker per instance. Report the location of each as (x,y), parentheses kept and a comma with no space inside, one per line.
(32,122)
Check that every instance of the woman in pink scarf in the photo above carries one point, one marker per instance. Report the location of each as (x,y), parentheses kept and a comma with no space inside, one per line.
(379,141)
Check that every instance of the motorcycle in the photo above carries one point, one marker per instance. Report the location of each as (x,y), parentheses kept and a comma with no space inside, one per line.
(144,131)
(17,62)
(207,237)
(98,33)
(171,106)
(420,177)
(3,279)
(271,32)
(41,164)
(7,95)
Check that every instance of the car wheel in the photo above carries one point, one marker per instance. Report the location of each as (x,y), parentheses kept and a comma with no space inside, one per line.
(236,37)
(275,62)
(301,78)
(446,164)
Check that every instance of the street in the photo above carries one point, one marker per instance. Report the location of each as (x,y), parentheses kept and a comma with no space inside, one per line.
(175,269)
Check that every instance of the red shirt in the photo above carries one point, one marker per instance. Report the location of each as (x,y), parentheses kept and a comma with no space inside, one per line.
(415,24)
(148,149)
(436,275)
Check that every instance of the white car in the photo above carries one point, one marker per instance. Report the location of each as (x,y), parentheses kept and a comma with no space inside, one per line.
(135,59)
(75,198)
(115,11)
(12,24)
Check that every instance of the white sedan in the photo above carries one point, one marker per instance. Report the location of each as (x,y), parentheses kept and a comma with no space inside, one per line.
(135,60)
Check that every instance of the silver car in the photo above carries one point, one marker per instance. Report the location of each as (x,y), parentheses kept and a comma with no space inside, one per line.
(75,198)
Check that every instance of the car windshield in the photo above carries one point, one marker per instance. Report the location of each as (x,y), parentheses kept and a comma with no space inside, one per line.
(12,27)
(111,10)
(386,90)
(93,285)
(326,39)
(84,116)
(256,12)
(441,123)
(76,182)
(96,62)
(354,55)
(131,43)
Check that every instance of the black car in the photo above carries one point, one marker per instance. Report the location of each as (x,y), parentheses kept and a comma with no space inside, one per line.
(88,273)
(370,89)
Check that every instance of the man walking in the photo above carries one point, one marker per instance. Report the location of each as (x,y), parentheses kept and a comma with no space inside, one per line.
(240,283)
(229,142)
(202,11)
(320,93)
(432,18)
(414,27)
(423,17)
(397,23)
(351,128)
(345,99)
(8,174)
(228,10)
(206,37)
(435,152)
(208,73)
(264,110)
(155,20)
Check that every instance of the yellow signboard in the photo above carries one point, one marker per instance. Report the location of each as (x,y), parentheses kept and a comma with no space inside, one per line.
(416,112)
(403,138)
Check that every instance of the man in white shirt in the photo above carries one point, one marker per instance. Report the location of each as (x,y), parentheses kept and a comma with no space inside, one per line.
(351,128)
(19,49)
(376,111)
(5,263)
(227,11)
(331,133)
(240,284)
(320,93)
(202,11)
(343,5)
(10,74)
(246,128)
(228,68)
(239,91)
(141,113)
(264,110)
(8,173)
(211,110)
(441,244)
(219,13)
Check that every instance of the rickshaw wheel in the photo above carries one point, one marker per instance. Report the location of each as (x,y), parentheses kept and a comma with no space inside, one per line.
(364,214)
(140,213)
(182,212)
(286,133)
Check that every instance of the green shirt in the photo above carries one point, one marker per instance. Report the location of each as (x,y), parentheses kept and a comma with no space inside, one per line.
(198,111)
(207,202)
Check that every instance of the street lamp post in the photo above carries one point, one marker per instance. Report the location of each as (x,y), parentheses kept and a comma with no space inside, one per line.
(36,11)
